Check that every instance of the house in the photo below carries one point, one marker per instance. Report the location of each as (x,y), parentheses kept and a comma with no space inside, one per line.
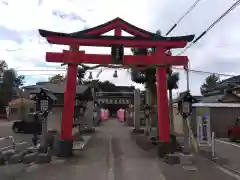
(20,108)
(221,116)
(222,104)
(221,87)
(56,92)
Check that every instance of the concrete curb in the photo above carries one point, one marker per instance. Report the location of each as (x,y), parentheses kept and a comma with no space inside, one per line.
(12,171)
(80,145)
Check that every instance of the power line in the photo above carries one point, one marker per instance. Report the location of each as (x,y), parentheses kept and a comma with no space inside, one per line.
(204,72)
(211,26)
(38,74)
(30,70)
(176,68)
(184,15)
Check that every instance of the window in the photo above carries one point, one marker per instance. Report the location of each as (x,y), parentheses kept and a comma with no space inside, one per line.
(14,110)
(44,105)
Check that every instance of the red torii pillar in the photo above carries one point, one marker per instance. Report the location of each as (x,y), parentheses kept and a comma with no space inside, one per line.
(66,142)
(162,101)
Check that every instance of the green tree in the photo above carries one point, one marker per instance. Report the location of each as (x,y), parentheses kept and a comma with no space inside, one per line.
(147,77)
(210,82)
(56,78)
(3,65)
(172,83)
(104,86)
(80,75)
(10,85)
(19,81)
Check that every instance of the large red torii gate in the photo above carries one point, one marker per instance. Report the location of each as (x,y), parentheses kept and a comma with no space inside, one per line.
(94,37)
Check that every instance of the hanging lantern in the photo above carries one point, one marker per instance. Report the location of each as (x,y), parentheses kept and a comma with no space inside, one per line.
(115,75)
(90,75)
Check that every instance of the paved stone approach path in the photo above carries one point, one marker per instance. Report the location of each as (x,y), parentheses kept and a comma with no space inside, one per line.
(113,154)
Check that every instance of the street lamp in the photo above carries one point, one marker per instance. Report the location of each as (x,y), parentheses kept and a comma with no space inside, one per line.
(185,107)
(43,106)
(42,101)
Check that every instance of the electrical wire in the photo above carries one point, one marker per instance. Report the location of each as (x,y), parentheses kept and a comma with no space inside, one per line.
(210,27)
(184,15)
(102,69)
(203,72)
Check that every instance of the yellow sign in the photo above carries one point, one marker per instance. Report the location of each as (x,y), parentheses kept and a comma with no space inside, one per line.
(204,112)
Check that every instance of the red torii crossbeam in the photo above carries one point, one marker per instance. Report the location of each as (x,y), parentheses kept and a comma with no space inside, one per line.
(94,37)
(81,57)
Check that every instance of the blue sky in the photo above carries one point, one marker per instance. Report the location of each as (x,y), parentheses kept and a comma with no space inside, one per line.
(22,47)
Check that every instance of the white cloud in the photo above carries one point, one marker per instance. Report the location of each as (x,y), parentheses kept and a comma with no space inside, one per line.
(218,51)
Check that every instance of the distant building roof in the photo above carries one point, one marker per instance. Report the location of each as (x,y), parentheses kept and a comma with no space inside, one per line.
(198,98)
(218,105)
(234,80)
(226,84)
(227,97)
(21,100)
(54,88)
(212,99)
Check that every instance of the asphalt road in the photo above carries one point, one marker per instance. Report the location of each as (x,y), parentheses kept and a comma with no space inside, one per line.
(111,154)
(228,152)
(6,130)
(114,154)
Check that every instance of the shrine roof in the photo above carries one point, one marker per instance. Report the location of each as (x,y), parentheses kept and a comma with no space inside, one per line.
(96,32)
(115,21)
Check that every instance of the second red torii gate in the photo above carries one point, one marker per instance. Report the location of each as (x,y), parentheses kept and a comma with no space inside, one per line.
(94,37)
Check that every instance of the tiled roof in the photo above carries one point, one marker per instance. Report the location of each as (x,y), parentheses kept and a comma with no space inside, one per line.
(234,79)
(226,97)
(226,83)
(55,88)
(21,100)
(212,99)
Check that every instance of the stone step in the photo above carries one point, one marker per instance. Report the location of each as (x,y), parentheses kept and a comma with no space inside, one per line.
(187,162)
(172,159)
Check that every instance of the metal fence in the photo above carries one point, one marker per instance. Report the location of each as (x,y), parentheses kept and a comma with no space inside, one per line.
(13,143)
(226,153)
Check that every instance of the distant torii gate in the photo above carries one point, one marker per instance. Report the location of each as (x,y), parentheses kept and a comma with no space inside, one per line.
(94,37)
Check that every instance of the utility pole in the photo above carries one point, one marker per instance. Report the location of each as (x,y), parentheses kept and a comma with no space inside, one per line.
(22,105)
(187,119)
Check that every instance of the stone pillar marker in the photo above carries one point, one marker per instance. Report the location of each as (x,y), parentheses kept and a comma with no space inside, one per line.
(136,113)
(88,117)
(147,120)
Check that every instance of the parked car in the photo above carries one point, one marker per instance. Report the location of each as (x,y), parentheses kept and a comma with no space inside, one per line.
(234,131)
(27,127)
